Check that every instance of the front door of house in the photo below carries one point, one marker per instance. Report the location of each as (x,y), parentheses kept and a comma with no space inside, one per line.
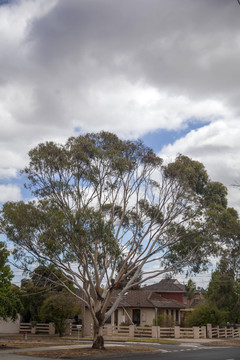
(116,317)
(136,316)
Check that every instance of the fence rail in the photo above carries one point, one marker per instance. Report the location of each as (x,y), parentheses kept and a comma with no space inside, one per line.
(25,328)
(166,332)
(226,332)
(140,331)
(186,333)
(39,328)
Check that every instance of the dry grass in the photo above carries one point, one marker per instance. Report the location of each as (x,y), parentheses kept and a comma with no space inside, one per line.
(71,353)
(33,342)
(228,342)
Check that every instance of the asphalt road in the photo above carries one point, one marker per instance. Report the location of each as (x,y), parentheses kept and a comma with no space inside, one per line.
(203,353)
(164,352)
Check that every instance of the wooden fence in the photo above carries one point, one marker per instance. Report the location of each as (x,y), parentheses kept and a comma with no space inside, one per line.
(226,332)
(75,329)
(175,332)
(132,331)
(39,328)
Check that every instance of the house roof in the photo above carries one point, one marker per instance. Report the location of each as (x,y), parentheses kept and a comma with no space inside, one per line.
(158,301)
(133,298)
(150,296)
(145,299)
(167,285)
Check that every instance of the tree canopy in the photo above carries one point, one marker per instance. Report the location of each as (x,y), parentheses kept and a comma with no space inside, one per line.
(57,308)
(10,304)
(100,199)
(224,288)
(43,282)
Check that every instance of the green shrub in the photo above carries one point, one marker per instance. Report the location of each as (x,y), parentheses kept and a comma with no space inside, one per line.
(158,321)
(162,320)
(206,313)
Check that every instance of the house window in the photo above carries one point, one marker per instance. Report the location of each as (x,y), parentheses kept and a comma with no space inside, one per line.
(136,316)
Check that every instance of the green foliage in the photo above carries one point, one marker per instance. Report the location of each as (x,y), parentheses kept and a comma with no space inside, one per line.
(51,277)
(158,321)
(10,304)
(164,320)
(206,313)
(168,321)
(44,282)
(189,172)
(224,290)
(190,289)
(32,298)
(57,308)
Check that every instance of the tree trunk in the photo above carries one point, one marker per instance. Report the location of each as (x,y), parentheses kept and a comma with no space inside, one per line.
(98,341)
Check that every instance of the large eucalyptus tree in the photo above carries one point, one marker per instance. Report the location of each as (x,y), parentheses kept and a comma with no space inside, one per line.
(109,212)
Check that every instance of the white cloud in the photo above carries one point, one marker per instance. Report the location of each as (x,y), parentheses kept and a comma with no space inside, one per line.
(217,146)
(10,193)
(6,173)
(130,67)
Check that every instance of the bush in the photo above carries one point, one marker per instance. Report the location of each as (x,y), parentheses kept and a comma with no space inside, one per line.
(166,321)
(158,321)
(206,313)
(59,307)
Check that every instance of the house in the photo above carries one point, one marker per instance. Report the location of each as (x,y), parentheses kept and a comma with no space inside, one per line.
(140,307)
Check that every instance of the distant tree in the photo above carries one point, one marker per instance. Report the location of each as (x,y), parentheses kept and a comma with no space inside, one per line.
(190,289)
(57,308)
(10,304)
(224,290)
(100,198)
(32,298)
(51,277)
(43,283)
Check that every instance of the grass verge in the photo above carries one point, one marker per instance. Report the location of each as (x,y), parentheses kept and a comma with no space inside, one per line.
(86,352)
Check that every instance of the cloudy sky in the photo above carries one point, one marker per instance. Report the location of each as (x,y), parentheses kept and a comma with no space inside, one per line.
(167,72)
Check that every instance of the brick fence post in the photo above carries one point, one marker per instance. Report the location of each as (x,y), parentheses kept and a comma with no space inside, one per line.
(209,331)
(51,329)
(131,330)
(204,332)
(154,332)
(196,332)
(109,330)
(177,332)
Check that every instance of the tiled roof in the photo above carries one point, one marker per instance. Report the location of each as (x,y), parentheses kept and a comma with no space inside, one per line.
(133,298)
(167,285)
(145,299)
(158,301)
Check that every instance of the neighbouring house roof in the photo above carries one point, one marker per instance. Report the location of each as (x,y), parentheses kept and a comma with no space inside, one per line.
(145,299)
(159,302)
(167,285)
